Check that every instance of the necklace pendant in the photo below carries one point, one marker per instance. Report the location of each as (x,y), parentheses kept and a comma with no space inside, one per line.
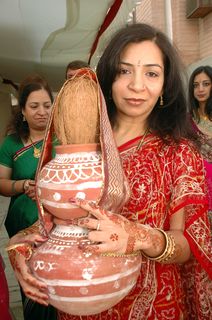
(37,153)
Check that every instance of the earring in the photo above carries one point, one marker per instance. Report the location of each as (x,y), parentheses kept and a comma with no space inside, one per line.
(161,100)
(24,119)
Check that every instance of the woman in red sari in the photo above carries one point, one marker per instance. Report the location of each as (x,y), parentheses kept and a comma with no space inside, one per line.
(166,216)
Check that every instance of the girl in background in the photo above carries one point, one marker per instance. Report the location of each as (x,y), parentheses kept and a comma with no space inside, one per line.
(200,107)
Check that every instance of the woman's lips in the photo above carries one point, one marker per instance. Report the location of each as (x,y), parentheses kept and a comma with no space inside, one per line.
(135,102)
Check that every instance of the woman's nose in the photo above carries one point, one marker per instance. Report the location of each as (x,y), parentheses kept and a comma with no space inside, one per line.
(137,83)
(201,86)
(41,110)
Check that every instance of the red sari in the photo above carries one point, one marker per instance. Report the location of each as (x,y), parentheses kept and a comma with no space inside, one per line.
(4,294)
(163,179)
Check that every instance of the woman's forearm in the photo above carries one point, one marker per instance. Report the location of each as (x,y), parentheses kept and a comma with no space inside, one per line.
(167,247)
(10,188)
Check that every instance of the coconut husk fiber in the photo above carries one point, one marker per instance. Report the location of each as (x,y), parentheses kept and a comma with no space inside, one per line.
(76,114)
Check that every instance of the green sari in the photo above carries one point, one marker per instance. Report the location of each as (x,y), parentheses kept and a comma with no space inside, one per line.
(23,211)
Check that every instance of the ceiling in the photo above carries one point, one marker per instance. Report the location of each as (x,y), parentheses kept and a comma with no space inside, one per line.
(43,36)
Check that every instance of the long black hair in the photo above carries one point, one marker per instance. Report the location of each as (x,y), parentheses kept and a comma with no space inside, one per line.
(169,120)
(192,101)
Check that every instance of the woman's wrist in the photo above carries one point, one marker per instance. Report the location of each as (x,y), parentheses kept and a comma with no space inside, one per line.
(19,186)
(157,243)
(31,229)
(143,236)
(168,248)
(26,185)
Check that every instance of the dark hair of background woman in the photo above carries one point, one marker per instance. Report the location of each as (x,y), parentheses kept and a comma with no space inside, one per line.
(169,120)
(76,64)
(28,85)
(193,102)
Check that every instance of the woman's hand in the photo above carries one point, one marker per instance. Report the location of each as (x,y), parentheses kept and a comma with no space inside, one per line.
(18,250)
(113,232)
(29,188)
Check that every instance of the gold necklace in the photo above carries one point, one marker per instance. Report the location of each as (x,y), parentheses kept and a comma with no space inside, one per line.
(203,117)
(37,151)
(142,139)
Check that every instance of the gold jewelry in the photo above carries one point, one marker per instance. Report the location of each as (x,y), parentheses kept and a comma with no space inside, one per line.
(113,254)
(34,228)
(37,151)
(23,249)
(161,100)
(204,117)
(142,139)
(169,250)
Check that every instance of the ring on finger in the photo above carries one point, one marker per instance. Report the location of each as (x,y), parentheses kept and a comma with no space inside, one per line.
(98,226)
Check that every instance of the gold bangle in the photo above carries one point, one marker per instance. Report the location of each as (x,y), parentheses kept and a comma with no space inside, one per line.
(23,249)
(169,250)
(22,232)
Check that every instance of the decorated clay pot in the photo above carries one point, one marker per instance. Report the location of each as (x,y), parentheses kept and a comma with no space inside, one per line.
(79,282)
(76,171)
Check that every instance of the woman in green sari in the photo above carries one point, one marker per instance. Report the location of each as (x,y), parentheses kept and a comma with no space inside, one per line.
(19,155)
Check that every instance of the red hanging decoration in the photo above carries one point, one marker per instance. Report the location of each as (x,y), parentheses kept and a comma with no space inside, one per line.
(107,21)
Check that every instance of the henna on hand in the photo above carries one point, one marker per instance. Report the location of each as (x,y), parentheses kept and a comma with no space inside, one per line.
(114,237)
(118,234)
(137,233)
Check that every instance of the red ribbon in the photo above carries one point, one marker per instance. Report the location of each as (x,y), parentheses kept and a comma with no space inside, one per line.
(107,21)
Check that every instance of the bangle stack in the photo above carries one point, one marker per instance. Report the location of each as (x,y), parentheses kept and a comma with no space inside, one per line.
(169,250)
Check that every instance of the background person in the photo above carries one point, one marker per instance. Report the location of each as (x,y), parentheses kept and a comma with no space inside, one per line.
(200,107)
(166,217)
(19,155)
(74,66)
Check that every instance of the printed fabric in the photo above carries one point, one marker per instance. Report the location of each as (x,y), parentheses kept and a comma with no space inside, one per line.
(163,179)
(204,132)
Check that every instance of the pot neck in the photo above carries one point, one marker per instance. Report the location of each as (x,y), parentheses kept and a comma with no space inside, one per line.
(89,147)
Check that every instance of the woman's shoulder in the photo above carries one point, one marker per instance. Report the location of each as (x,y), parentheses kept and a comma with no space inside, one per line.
(187,144)
(181,149)
(11,141)
(11,137)
(187,153)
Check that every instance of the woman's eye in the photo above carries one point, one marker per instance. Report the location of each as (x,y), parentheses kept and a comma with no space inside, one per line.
(123,71)
(152,74)
(48,106)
